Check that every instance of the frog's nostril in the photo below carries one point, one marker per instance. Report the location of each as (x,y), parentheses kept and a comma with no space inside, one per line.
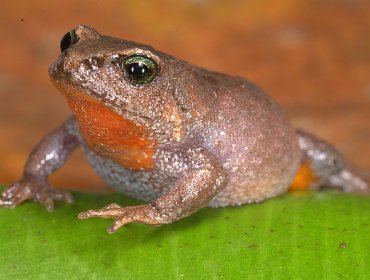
(68,40)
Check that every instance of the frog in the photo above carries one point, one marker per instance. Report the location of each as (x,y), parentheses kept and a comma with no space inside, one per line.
(172,134)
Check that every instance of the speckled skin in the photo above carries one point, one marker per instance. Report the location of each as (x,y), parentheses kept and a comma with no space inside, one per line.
(217,140)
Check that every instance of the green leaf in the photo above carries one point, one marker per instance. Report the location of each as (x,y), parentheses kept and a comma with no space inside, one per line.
(319,235)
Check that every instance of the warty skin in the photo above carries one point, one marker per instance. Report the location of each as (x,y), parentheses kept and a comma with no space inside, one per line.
(178,136)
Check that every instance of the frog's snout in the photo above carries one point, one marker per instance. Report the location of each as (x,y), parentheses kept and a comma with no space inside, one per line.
(56,69)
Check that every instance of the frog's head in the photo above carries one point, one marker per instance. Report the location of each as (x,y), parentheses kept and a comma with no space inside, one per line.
(142,85)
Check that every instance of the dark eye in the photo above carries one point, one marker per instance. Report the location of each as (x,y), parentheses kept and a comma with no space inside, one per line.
(140,69)
(68,40)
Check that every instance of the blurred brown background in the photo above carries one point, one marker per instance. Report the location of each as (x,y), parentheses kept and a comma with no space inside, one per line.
(313,56)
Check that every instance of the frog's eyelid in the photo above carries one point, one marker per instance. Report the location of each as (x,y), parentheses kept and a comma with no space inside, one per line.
(120,57)
(137,51)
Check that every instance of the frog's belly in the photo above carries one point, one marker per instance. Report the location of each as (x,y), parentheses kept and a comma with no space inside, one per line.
(143,185)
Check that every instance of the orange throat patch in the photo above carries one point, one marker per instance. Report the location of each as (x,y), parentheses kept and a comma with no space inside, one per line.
(110,135)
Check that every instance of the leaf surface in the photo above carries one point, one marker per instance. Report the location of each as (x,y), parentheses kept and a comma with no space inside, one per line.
(318,235)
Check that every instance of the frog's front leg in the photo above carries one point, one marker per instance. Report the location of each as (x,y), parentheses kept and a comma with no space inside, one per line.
(48,156)
(202,179)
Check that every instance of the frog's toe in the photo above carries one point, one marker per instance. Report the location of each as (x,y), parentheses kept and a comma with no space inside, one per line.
(47,202)
(110,211)
(352,180)
(32,189)
(117,224)
(47,195)
(144,214)
(15,194)
(6,203)
(59,195)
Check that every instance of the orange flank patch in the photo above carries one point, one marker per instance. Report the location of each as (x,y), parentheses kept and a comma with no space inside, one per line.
(110,135)
(304,177)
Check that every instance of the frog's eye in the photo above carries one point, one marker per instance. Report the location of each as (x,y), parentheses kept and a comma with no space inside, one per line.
(68,40)
(140,69)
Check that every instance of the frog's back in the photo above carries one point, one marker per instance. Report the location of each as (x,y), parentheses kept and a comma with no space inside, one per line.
(253,139)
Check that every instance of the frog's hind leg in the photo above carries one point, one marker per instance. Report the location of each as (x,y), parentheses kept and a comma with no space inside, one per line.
(323,166)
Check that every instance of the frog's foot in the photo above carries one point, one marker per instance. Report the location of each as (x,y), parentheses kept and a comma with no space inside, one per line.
(35,189)
(352,180)
(144,214)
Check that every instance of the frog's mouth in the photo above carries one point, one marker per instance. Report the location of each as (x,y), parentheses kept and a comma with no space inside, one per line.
(109,134)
